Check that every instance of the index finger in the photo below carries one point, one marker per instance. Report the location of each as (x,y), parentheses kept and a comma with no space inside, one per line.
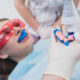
(53,38)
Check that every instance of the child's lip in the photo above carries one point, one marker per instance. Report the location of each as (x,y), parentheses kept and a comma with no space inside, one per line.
(26,38)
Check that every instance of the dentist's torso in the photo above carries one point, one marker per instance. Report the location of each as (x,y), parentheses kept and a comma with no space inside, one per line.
(46,11)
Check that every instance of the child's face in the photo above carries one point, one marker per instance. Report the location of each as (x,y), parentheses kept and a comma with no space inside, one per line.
(15,49)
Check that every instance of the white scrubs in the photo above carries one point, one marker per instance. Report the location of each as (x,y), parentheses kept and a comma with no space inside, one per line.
(46,12)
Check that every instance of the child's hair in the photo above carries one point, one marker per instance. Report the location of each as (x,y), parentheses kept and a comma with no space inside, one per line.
(6,65)
(3,19)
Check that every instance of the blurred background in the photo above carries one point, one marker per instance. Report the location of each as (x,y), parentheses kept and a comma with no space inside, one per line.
(7,9)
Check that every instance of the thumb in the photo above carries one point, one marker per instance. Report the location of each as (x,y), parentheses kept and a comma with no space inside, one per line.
(53,38)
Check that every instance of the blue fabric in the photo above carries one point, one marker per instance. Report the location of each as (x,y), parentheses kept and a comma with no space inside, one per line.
(35,61)
(76,72)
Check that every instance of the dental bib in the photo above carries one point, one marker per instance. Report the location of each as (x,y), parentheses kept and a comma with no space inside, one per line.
(33,65)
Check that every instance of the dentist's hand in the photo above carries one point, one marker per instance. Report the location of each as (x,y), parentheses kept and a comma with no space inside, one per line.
(44,32)
(62,58)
